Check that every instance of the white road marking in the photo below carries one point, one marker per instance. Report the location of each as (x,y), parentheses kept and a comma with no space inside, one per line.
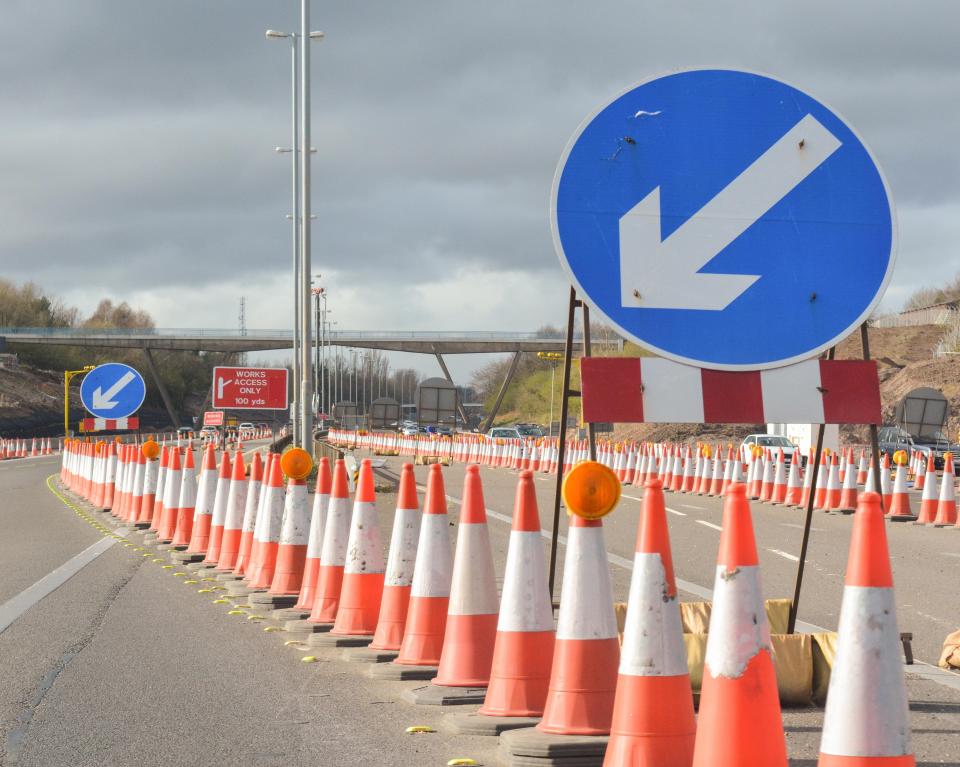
(631,497)
(688,506)
(784,554)
(800,527)
(18,605)
(708,524)
(674,511)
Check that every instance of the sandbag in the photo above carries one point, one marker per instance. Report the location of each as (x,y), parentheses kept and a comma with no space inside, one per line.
(824,653)
(778,615)
(793,661)
(620,611)
(950,657)
(696,656)
(695,617)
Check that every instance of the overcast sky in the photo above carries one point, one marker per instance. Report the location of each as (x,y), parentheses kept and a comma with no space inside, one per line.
(137,162)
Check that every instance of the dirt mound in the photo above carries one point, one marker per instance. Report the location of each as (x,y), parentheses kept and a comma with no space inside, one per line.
(896,346)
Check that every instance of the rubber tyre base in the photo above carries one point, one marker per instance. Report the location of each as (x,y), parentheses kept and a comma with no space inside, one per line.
(439,695)
(368,655)
(478,724)
(531,748)
(399,673)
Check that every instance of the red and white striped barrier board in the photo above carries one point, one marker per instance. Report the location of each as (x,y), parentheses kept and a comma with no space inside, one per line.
(110,424)
(653,390)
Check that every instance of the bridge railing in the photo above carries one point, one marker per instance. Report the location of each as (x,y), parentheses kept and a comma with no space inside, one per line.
(421,335)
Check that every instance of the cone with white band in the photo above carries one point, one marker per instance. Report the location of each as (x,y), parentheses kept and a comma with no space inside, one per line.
(363,571)
(206,495)
(233,517)
(318,520)
(333,555)
(739,722)
(219,513)
(653,721)
(183,518)
(432,573)
(866,722)
(254,488)
(523,649)
(472,616)
(400,565)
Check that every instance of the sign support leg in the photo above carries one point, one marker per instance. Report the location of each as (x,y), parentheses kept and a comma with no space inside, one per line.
(503,390)
(808,519)
(874,440)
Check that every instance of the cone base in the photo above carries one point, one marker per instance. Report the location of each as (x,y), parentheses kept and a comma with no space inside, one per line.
(831,760)
(653,723)
(582,687)
(739,722)
(520,675)
(467,651)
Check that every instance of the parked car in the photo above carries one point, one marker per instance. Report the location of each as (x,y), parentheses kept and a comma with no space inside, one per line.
(529,430)
(184,431)
(772,442)
(504,432)
(894,438)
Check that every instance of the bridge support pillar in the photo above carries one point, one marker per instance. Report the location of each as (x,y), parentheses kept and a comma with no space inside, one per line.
(446,374)
(503,390)
(164,394)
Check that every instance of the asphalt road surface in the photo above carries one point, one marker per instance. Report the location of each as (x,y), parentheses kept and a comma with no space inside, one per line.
(123,664)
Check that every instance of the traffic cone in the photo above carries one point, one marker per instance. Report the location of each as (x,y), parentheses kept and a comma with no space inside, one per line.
(865,722)
(769,476)
(136,496)
(267,529)
(831,501)
(400,564)
(233,517)
(318,519)
(270,502)
(779,493)
(430,592)
(287,576)
(794,494)
(150,470)
(653,722)
(186,503)
(739,722)
(206,495)
(219,513)
(929,498)
(472,617)
(900,503)
(171,497)
(363,570)
(947,505)
(847,503)
(161,486)
(336,533)
(862,469)
(583,678)
(254,485)
(523,649)
(885,489)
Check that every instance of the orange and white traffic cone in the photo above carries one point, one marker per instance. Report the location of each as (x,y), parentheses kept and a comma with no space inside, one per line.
(254,487)
(523,649)
(136,495)
(161,487)
(929,497)
(779,493)
(583,679)
(947,505)
(739,722)
(769,475)
(862,469)
(653,722)
(171,497)
(848,493)
(865,722)
(206,495)
(363,571)
(820,489)
(831,501)
(794,494)
(400,565)
(286,577)
(885,489)
(233,517)
(219,513)
(266,535)
(900,510)
(432,573)
(151,467)
(318,520)
(333,555)
(186,503)
(472,616)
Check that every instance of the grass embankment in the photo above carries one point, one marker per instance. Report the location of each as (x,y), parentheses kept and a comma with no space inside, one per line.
(528,398)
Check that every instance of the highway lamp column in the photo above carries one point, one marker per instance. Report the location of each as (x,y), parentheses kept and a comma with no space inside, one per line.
(306,395)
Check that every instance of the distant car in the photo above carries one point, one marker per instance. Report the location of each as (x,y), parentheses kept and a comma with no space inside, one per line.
(505,432)
(184,430)
(246,425)
(893,438)
(529,430)
(408,430)
(208,433)
(768,441)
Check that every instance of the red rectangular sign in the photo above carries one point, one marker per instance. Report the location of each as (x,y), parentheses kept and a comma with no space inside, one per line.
(213,418)
(250,388)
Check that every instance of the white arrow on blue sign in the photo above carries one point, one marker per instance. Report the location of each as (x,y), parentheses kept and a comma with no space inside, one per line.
(113,390)
(724,219)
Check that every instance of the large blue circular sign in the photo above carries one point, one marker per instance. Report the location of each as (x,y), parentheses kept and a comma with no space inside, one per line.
(113,390)
(724,219)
